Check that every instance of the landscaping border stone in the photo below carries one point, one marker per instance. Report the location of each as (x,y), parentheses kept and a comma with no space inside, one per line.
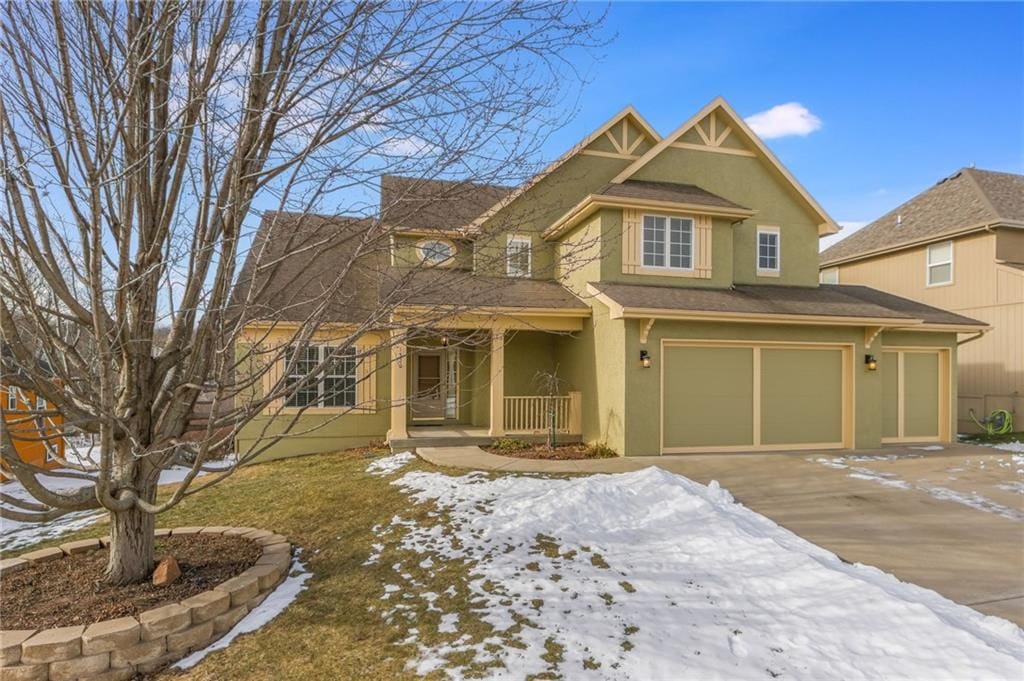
(122,647)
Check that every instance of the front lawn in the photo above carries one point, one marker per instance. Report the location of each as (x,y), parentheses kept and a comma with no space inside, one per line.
(329,506)
(643,575)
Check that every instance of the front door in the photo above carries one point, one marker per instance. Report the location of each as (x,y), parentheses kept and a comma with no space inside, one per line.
(428,389)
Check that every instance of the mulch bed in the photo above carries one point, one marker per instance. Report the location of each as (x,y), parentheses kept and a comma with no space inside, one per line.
(69,591)
(542,451)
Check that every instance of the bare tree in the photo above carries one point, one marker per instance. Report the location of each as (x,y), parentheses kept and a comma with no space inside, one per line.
(137,142)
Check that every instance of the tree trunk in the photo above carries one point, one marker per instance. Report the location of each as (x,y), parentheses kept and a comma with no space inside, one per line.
(131,547)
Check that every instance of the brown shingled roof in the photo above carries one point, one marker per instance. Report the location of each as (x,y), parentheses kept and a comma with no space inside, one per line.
(462,289)
(302,258)
(666,191)
(409,203)
(825,300)
(968,198)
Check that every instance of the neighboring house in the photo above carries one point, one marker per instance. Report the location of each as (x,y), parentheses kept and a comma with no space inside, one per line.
(672,283)
(37,439)
(959,246)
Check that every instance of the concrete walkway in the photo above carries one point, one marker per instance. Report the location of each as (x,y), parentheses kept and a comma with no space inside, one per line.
(890,508)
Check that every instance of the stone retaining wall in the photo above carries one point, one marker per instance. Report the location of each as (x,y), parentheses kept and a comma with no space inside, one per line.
(123,647)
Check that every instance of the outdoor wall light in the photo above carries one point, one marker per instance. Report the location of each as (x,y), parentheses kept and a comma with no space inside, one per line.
(870,362)
(645,359)
(444,339)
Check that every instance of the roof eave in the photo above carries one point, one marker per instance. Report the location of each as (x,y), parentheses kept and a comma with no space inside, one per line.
(980,227)
(593,202)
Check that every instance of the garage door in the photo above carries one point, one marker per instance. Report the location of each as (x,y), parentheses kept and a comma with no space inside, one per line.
(743,397)
(915,395)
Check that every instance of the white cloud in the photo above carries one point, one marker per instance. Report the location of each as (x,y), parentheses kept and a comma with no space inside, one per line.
(848,228)
(784,120)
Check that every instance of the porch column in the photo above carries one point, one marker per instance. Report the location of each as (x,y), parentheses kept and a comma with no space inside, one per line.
(497,427)
(399,380)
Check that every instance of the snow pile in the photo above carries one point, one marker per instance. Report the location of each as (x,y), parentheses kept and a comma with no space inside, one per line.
(1015,446)
(274,604)
(390,464)
(649,575)
(15,535)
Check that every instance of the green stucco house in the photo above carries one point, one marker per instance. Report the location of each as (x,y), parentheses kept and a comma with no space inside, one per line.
(670,283)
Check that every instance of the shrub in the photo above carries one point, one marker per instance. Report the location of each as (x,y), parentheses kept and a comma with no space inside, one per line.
(509,445)
(600,450)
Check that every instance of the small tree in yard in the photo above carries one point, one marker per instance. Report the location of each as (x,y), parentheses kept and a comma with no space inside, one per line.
(137,142)
(550,385)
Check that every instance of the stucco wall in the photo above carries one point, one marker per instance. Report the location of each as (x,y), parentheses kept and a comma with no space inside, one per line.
(748,182)
(593,362)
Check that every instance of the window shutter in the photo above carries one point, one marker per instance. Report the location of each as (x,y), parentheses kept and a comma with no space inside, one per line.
(631,235)
(366,379)
(702,246)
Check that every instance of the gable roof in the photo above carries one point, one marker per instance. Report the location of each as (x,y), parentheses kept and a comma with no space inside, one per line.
(629,114)
(719,105)
(647,194)
(666,191)
(411,204)
(966,201)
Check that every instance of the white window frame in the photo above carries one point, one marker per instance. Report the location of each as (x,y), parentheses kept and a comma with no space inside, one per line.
(12,398)
(519,240)
(667,246)
(768,271)
(928,264)
(823,275)
(422,251)
(40,403)
(323,352)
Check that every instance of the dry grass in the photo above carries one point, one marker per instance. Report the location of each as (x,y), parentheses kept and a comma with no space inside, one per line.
(329,506)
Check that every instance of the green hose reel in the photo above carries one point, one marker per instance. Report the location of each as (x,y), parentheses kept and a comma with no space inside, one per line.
(999,422)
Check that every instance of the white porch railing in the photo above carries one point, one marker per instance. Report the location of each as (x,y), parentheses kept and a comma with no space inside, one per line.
(533,413)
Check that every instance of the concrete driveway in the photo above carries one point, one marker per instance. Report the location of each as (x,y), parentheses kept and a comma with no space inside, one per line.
(949,519)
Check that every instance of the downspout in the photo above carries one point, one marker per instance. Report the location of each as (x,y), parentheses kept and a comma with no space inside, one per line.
(972,338)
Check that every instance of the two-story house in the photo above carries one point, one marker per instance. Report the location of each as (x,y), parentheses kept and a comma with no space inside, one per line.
(959,246)
(670,282)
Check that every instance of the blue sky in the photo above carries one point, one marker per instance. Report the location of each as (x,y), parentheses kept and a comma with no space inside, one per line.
(906,93)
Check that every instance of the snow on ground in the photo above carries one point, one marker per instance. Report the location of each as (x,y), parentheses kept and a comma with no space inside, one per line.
(1017,447)
(15,535)
(390,464)
(274,604)
(649,575)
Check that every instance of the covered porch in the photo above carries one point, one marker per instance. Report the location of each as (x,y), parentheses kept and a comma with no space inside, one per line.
(474,378)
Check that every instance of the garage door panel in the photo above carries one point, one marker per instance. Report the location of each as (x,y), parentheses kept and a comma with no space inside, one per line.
(920,394)
(708,397)
(801,396)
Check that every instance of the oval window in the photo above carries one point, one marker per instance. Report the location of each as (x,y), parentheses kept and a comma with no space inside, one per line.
(436,252)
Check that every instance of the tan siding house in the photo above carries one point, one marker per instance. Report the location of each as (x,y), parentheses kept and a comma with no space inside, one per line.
(958,246)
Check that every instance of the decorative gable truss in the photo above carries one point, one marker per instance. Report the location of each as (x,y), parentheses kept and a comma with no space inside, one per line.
(718,128)
(625,138)
(713,133)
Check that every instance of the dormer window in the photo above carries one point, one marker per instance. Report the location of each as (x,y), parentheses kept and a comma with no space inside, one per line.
(436,251)
(769,254)
(519,256)
(668,242)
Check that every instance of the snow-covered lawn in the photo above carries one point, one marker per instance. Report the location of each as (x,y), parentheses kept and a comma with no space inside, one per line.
(649,575)
(15,535)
